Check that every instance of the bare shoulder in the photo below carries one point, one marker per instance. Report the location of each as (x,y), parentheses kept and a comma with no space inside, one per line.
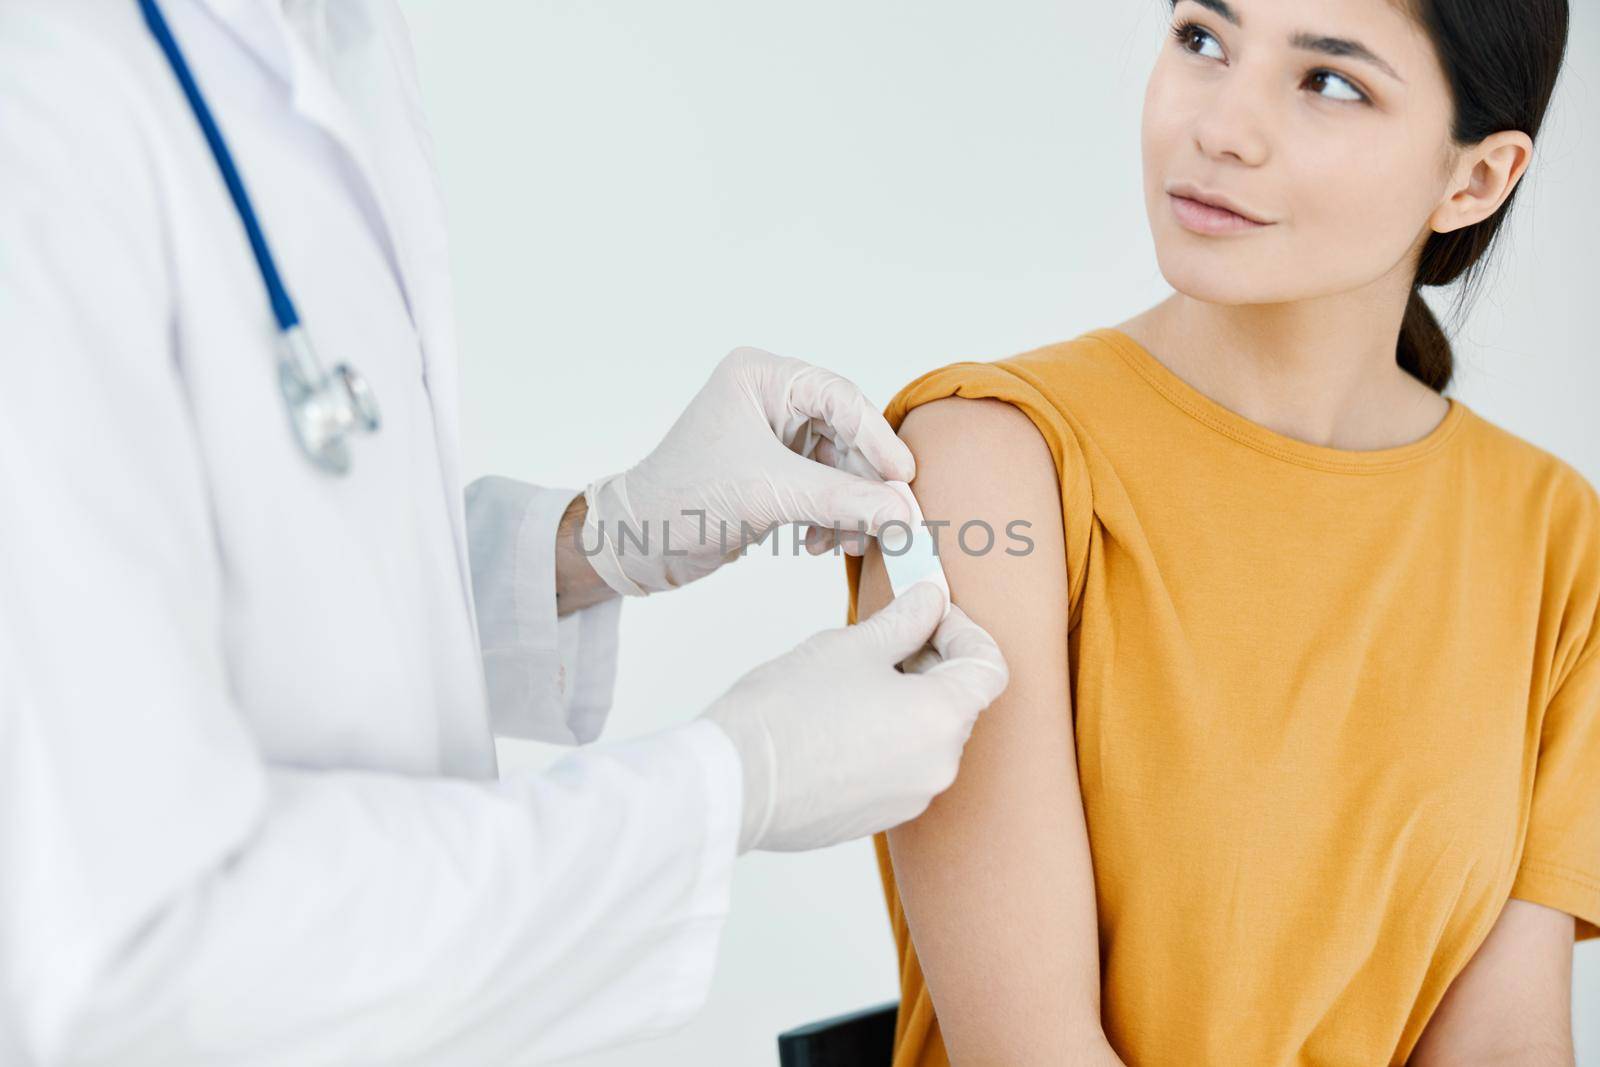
(976,418)
(987,486)
(983,449)
(984,469)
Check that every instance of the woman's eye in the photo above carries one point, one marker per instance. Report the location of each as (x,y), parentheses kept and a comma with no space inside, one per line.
(1355,96)
(1193,38)
(1186,33)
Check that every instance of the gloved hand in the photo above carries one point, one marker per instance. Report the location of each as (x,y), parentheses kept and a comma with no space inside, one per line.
(838,744)
(767,441)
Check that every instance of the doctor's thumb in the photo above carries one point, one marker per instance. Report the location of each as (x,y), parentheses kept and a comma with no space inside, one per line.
(969,659)
(902,626)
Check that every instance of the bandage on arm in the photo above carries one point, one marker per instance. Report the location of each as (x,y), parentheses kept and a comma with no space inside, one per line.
(911,553)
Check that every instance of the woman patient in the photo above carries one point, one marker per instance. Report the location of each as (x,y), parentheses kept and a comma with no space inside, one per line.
(1300,758)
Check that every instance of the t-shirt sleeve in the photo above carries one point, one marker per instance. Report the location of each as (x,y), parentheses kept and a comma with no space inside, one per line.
(1561,861)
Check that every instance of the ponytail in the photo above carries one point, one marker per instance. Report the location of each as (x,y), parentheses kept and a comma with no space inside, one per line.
(1502,62)
(1424,350)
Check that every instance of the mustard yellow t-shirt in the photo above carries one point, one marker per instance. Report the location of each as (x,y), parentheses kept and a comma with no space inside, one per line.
(1331,707)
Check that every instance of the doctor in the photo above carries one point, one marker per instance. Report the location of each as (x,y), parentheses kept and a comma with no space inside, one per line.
(249,810)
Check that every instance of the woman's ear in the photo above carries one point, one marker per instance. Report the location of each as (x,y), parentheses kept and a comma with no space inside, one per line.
(1483,177)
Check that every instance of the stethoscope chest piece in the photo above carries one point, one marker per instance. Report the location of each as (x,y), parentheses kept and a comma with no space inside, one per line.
(324,406)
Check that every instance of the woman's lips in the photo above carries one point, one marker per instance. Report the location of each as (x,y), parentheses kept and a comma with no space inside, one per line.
(1204,219)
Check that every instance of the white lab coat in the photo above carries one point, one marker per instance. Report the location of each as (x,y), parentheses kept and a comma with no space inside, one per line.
(248,806)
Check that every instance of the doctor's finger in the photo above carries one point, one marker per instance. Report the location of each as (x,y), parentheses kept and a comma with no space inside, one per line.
(808,492)
(921,661)
(820,539)
(854,422)
(958,635)
(970,657)
(844,458)
(900,627)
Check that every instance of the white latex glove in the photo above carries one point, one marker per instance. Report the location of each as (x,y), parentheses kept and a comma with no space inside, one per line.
(767,441)
(837,743)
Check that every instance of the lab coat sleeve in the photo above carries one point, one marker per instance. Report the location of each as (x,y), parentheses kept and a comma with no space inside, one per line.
(168,896)
(550,678)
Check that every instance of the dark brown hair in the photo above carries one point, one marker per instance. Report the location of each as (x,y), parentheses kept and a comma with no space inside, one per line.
(1502,61)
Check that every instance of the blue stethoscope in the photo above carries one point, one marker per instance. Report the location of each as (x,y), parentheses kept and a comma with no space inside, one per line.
(324,406)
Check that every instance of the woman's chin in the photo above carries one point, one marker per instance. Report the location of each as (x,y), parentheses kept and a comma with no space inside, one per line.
(1220,277)
(1199,283)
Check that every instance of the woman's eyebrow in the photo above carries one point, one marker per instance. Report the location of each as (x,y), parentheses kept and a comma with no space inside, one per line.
(1313,42)
(1337,46)
(1221,8)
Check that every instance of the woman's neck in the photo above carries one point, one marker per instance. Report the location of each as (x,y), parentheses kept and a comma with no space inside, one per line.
(1321,371)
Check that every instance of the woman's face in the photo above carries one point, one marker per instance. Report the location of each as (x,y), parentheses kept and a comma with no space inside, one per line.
(1275,105)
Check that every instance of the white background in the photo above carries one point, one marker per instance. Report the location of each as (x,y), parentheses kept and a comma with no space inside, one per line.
(637,186)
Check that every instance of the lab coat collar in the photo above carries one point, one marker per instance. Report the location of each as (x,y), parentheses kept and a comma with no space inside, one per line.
(260,27)
(263,28)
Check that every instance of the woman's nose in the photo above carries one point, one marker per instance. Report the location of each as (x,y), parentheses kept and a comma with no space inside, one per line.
(1232,120)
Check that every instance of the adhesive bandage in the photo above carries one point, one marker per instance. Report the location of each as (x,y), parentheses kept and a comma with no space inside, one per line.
(909,555)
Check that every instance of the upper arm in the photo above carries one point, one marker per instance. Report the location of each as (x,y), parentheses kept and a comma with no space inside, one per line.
(999,865)
(1512,1003)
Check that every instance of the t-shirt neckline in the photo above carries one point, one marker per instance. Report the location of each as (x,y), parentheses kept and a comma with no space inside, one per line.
(1232,424)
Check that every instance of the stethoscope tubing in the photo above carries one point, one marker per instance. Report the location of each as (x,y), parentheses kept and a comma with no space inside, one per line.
(283,309)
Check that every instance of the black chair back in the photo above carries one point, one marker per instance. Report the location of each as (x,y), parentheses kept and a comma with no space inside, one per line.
(862,1038)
